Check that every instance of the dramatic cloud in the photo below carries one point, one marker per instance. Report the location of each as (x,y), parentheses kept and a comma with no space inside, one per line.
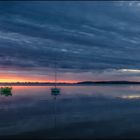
(83,37)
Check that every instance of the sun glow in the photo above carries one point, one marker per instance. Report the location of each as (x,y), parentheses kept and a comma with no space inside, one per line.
(13,78)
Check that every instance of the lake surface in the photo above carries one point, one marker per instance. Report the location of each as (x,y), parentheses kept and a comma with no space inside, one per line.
(104,111)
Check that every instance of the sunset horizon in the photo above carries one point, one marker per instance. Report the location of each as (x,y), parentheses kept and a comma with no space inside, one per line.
(69,70)
(81,48)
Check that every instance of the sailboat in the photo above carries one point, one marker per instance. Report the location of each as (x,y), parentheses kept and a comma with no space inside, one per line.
(55,91)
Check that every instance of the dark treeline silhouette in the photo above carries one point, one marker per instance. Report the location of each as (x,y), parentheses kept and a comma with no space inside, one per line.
(64,83)
(108,82)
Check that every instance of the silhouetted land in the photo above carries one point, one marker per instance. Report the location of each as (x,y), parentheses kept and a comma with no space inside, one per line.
(67,84)
(108,82)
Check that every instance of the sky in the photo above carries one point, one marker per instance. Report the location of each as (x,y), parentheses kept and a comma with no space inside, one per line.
(87,41)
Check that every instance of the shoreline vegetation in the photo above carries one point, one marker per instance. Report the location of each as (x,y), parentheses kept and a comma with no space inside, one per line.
(67,84)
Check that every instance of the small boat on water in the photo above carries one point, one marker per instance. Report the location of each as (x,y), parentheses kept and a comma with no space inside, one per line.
(6,91)
(55,91)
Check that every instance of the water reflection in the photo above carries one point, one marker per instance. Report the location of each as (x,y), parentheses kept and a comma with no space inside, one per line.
(96,111)
(131,97)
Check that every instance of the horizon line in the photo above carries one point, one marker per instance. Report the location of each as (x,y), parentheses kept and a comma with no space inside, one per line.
(68,82)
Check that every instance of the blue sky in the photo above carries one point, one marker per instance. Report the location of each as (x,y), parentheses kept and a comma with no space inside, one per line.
(90,40)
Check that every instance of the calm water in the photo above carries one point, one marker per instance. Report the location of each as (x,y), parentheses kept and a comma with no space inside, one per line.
(80,111)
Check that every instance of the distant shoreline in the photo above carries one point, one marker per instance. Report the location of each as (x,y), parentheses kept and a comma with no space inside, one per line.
(86,83)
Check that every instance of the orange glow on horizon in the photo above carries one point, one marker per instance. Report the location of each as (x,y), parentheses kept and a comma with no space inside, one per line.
(13,78)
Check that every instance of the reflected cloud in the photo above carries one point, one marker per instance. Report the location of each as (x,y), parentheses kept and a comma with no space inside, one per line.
(131,97)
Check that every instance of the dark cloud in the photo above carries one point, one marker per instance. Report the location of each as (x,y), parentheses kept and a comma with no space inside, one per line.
(83,36)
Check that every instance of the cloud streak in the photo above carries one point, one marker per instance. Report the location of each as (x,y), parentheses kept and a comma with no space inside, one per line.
(82,36)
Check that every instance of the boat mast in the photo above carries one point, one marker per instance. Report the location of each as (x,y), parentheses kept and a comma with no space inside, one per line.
(55,73)
(55,91)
